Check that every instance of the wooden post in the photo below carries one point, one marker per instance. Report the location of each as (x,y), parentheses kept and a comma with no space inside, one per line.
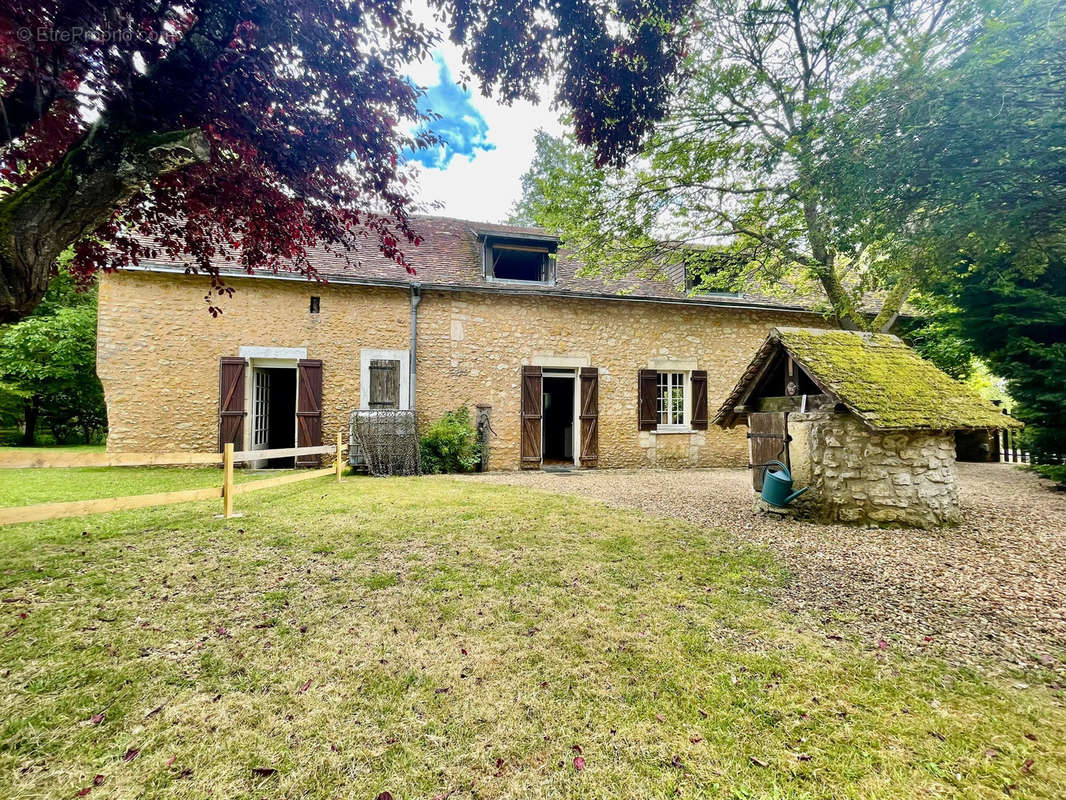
(339,464)
(227,480)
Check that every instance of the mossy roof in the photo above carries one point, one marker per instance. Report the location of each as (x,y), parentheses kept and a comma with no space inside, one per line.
(880,379)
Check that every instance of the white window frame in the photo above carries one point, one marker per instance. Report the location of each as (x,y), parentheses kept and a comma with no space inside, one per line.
(368,354)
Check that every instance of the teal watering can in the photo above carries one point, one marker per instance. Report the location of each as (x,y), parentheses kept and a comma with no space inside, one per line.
(777,485)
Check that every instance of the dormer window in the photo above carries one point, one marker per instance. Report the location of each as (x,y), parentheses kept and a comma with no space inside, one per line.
(515,258)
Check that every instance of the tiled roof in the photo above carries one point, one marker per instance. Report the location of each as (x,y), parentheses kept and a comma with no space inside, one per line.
(881,380)
(450,257)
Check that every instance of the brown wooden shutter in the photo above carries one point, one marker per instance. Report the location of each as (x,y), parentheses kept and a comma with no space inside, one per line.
(590,416)
(384,384)
(231,402)
(699,399)
(309,410)
(532,416)
(648,400)
(768,434)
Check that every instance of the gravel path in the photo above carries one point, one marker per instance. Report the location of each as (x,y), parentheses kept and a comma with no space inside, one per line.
(991,592)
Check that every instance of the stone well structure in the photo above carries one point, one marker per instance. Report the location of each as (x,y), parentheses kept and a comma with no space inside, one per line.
(862,420)
(858,474)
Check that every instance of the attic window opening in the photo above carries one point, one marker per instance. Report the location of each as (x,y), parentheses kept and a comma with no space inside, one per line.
(508,262)
(316,304)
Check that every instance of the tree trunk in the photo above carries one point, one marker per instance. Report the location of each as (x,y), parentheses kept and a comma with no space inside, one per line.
(51,212)
(29,433)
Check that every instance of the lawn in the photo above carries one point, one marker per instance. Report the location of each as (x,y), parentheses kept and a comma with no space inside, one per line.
(430,638)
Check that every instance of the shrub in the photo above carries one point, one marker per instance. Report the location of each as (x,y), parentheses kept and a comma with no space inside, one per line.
(450,444)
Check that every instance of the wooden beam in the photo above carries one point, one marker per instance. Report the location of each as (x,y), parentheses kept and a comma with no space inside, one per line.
(794,404)
(15,460)
(281,480)
(76,508)
(284,452)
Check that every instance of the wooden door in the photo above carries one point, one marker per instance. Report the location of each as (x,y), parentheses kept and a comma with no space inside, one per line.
(532,416)
(589,416)
(768,441)
(309,410)
(231,402)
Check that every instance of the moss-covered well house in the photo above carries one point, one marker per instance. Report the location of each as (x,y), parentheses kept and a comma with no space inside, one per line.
(860,418)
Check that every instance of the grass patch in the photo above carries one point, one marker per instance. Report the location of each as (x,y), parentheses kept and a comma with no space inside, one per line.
(429,637)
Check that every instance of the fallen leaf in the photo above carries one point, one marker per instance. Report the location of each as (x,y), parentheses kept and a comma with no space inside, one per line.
(803,757)
(185,773)
(131,754)
(702,713)
(264,772)
(1031,737)
(99,780)
(579,763)
(758,762)
(695,739)
(384,796)
(83,792)
(305,687)
(577,749)
(1027,767)
(96,719)
(676,761)
(991,752)
(659,717)
(154,711)
(171,760)
(463,651)
(882,644)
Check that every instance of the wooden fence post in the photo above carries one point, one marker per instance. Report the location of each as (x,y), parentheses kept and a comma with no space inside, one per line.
(227,480)
(340,436)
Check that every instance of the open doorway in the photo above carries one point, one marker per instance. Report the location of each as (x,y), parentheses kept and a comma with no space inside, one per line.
(558,419)
(273,413)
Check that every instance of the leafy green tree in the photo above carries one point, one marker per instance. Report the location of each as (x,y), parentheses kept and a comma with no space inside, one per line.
(963,169)
(48,363)
(738,160)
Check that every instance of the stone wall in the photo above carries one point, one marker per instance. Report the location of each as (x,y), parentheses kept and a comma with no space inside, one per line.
(159,350)
(860,475)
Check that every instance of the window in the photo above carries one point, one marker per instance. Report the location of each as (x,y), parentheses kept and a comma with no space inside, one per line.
(519,256)
(512,263)
(384,383)
(671,398)
(384,379)
(316,304)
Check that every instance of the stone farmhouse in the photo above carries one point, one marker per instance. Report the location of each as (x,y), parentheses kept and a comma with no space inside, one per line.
(575,370)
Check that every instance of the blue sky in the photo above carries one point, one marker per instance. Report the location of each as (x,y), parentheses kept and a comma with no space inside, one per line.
(462,127)
(477,174)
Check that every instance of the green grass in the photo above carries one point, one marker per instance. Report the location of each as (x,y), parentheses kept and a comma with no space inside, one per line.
(28,486)
(1056,472)
(432,638)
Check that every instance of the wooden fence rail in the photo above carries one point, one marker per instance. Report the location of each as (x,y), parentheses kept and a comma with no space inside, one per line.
(227,491)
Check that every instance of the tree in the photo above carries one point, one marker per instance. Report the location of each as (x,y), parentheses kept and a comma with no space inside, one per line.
(254,128)
(738,158)
(965,169)
(48,361)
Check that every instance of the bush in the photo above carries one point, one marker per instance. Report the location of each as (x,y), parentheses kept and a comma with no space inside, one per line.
(450,444)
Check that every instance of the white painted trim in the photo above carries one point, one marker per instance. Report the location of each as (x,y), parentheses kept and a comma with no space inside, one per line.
(273,352)
(368,354)
(561,362)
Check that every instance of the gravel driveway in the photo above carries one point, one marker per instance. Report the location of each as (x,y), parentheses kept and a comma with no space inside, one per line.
(989,593)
